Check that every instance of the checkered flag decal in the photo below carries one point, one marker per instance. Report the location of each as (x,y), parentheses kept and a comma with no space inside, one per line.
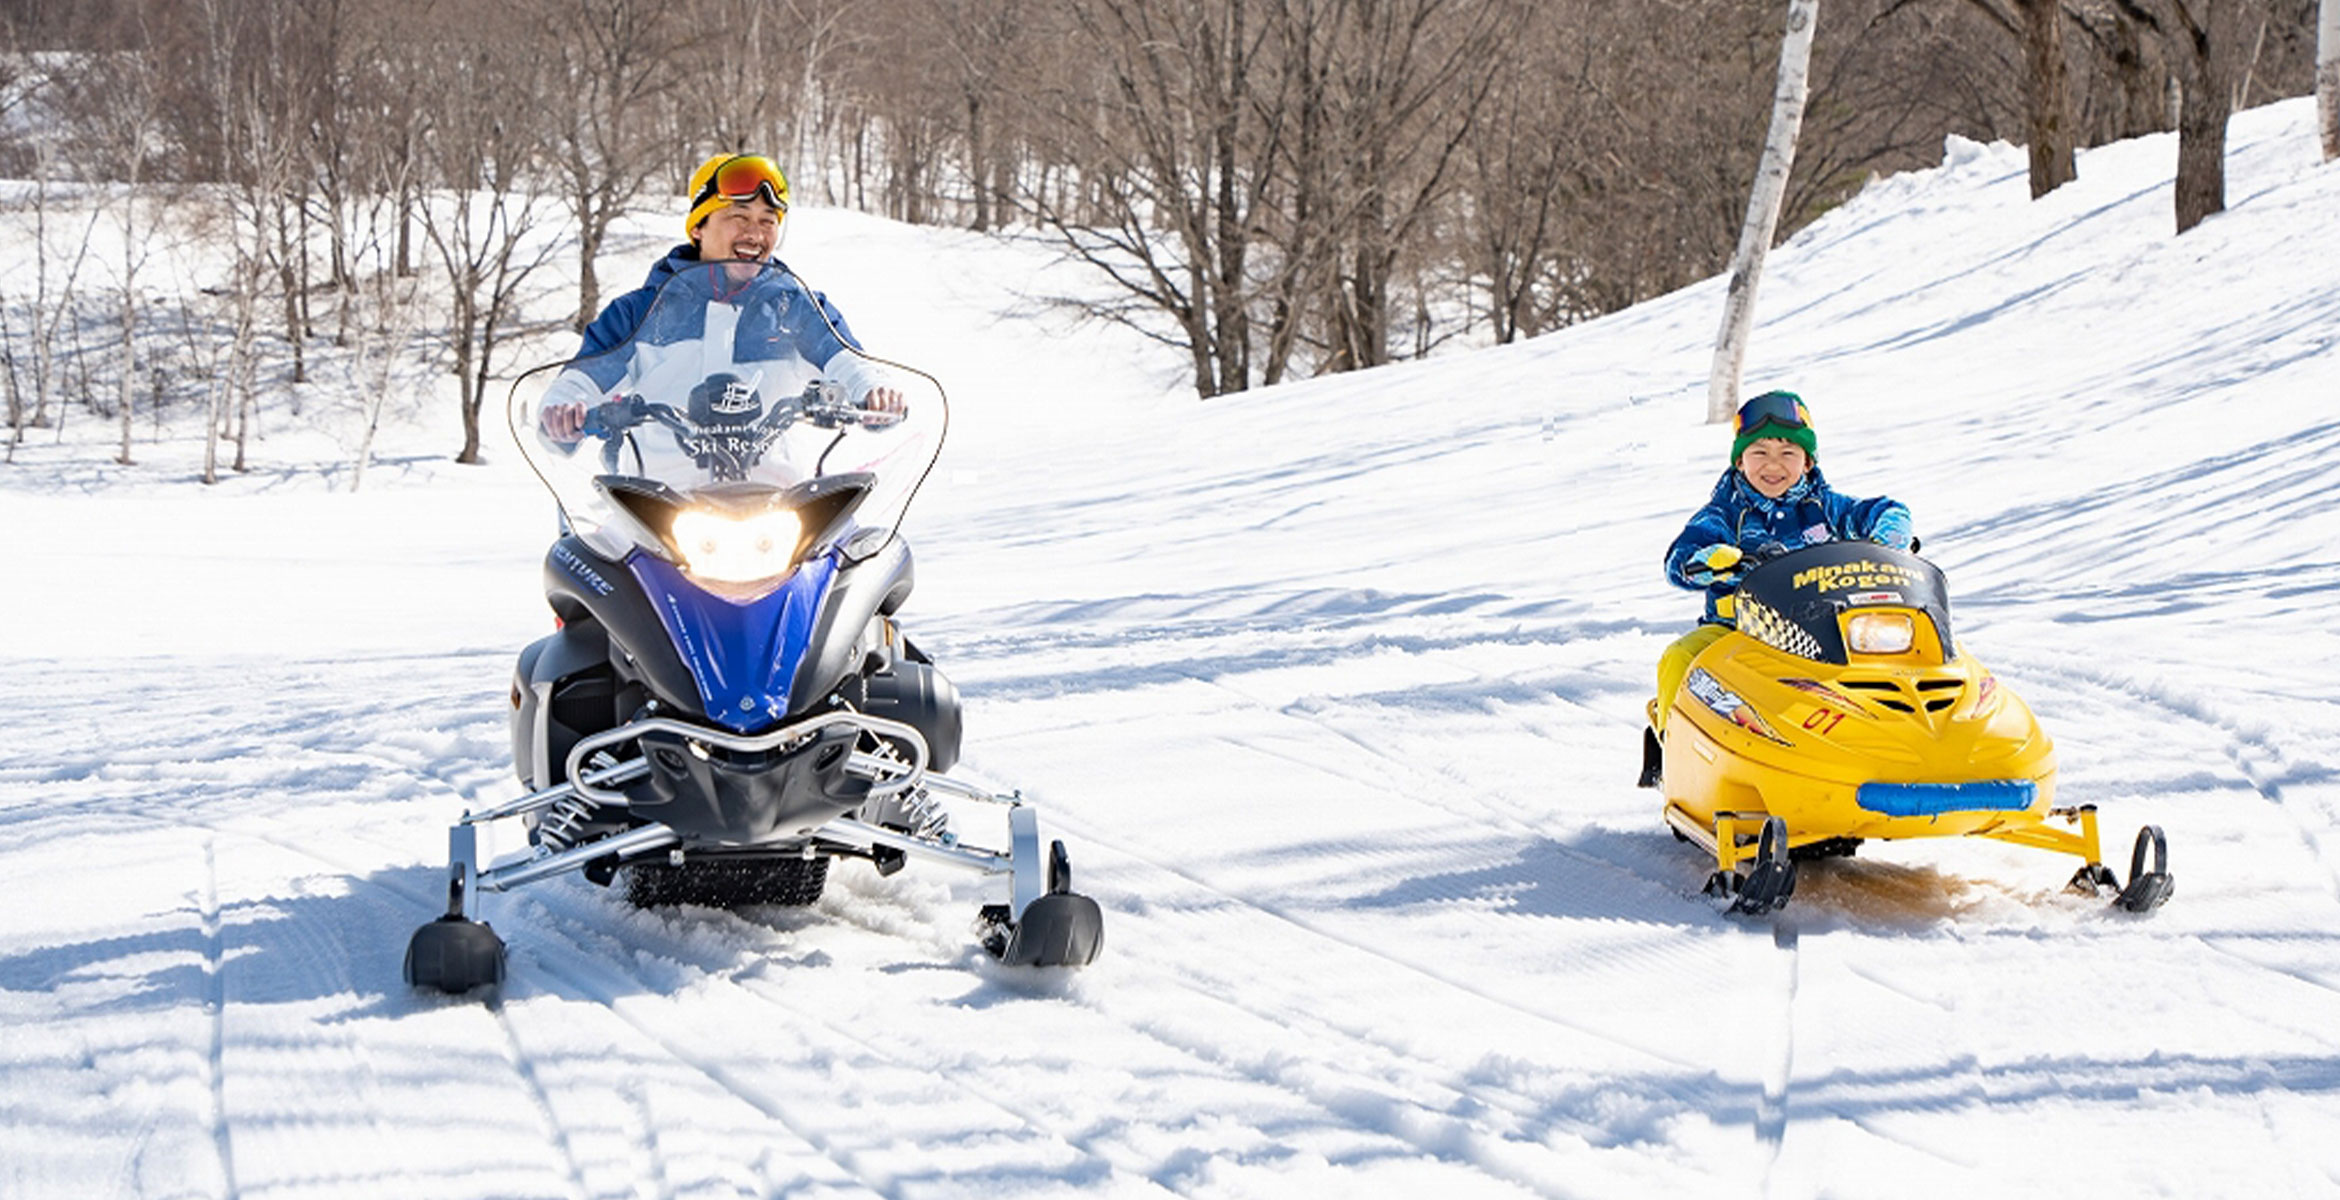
(1776,631)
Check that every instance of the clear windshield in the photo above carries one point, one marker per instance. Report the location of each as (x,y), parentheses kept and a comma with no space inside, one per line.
(735,383)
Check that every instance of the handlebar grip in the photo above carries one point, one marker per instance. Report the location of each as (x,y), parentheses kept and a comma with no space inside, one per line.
(614,416)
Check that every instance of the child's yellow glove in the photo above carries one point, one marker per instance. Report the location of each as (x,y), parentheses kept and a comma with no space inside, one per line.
(1715,564)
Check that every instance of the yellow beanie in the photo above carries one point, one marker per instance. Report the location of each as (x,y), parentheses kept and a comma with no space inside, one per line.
(706,198)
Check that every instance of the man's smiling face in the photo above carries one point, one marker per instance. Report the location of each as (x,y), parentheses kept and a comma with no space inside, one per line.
(748,229)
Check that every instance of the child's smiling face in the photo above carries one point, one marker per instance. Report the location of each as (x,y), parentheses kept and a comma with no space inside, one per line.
(1773,465)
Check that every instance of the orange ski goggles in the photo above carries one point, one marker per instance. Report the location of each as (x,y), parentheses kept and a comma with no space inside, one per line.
(730,178)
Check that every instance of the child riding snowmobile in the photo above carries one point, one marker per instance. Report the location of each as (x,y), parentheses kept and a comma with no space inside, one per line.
(1824,702)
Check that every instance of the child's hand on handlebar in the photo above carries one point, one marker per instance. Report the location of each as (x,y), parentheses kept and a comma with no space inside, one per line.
(1715,564)
(1892,529)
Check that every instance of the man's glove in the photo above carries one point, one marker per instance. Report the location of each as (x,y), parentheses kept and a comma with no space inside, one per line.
(1714,564)
(1892,529)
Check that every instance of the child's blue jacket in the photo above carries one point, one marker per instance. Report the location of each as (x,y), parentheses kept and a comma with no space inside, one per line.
(1809,513)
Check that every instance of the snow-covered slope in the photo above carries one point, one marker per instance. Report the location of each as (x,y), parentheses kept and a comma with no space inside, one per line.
(1335,690)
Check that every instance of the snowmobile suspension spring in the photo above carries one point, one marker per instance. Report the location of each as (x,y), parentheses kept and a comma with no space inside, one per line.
(924,815)
(558,828)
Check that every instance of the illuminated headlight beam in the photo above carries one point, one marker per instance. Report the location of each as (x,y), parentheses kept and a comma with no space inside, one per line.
(728,549)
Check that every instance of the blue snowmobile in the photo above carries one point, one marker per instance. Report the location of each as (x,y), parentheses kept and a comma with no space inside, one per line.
(727,705)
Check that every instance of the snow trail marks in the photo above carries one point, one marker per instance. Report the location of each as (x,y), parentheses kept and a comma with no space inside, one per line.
(1310,925)
(2248,746)
(516,1056)
(770,991)
(2321,837)
(652,1168)
(1422,1103)
(2300,974)
(583,972)
(1771,1119)
(215,1000)
(543,1098)
(1407,1097)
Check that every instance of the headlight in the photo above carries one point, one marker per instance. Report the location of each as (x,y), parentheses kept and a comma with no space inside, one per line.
(728,549)
(1880,633)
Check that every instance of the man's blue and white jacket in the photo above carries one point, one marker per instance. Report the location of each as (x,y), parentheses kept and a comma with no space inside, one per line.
(791,323)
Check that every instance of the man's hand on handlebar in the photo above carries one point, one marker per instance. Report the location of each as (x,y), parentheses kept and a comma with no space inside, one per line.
(569,422)
(883,406)
(564,423)
(572,421)
(826,406)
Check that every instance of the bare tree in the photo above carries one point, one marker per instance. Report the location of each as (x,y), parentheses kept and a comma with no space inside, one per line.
(1649,142)
(825,35)
(911,134)
(114,110)
(486,146)
(388,320)
(2130,97)
(2038,25)
(2199,38)
(249,118)
(18,82)
(2047,95)
(2036,28)
(2328,77)
(743,85)
(1779,153)
(380,81)
(1519,160)
(350,96)
(229,364)
(1400,84)
(617,58)
(15,394)
(1173,146)
(1272,186)
(1260,172)
(983,47)
(133,257)
(762,80)
(52,306)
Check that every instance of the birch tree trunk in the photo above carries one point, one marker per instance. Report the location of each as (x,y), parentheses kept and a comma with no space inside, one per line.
(2328,77)
(1771,178)
(15,396)
(129,302)
(381,336)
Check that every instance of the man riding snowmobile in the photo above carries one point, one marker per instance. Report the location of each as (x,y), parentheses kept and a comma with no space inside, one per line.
(727,704)
(738,205)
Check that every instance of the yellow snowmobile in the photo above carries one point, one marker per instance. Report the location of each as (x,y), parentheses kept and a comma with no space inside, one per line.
(1841,710)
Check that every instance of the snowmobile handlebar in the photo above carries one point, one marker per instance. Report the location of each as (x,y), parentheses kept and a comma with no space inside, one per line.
(1739,569)
(821,404)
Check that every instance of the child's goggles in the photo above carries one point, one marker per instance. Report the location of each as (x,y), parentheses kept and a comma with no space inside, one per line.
(745,177)
(1777,408)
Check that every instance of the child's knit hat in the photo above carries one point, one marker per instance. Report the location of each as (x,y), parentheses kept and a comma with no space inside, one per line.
(1776,415)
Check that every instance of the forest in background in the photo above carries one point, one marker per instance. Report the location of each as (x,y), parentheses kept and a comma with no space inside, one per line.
(1277,188)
